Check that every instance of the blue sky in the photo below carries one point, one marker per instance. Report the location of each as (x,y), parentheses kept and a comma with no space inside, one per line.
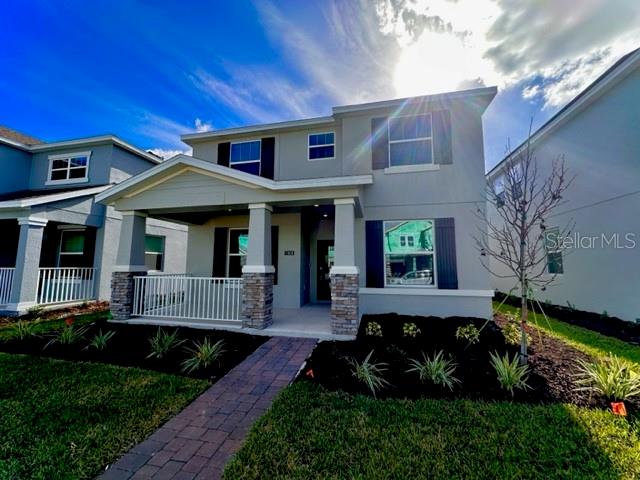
(149,71)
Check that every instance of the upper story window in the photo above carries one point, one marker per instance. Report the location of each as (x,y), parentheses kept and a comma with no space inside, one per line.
(245,156)
(322,146)
(410,140)
(68,168)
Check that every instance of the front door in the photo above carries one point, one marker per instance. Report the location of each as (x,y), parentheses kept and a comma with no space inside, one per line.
(325,262)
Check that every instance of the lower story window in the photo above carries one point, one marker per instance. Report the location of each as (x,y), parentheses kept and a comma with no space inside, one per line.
(409,253)
(154,252)
(555,264)
(71,248)
(237,255)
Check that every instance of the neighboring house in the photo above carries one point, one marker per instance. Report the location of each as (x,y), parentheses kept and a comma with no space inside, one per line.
(598,133)
(57,245)
(295,213)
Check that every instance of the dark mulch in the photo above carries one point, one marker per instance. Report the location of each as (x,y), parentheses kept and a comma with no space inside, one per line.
(82,309)
(598,322)
(130,347)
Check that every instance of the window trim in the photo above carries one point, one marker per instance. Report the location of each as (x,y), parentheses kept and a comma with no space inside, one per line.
(68,156)
(309,146)
(164,250)
(433,253)
(60,252)
(389,141)
(229,254)
(246,162)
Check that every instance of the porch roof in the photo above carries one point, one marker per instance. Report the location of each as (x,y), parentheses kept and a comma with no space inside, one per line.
(31,198)
(224,184)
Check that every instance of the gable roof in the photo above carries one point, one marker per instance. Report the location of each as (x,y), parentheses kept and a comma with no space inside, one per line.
(19,137)
(625,64)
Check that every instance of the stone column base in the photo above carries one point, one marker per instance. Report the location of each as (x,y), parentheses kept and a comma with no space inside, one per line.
(344,303)
(257,300)
(122,294)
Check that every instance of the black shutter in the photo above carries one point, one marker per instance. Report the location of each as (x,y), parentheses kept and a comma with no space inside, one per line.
(267,157)
(224,151)
(447,270)
(442,137)
(220,251)
(274,252)
(374,253)
(379,143)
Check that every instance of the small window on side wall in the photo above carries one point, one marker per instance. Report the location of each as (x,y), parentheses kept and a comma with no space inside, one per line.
(154,252)
(555,264)
(68,168)
(322,146)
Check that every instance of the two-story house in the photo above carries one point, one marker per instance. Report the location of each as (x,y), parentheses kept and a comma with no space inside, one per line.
(598,134)
(295,222)
(58,245)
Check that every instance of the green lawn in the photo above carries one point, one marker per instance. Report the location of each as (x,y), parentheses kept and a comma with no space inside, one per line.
(588,341)
(62,420)
(310,433)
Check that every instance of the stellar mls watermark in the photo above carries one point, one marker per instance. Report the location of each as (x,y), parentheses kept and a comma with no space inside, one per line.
(576,241)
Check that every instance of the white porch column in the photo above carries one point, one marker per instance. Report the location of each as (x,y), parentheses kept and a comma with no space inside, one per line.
(129,263)
(24,288)
(344,273)
(257,274)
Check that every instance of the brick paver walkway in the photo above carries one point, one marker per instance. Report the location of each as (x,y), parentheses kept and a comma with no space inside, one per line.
(198,442)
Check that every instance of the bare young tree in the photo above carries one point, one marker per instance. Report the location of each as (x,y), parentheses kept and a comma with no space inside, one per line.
(513,232)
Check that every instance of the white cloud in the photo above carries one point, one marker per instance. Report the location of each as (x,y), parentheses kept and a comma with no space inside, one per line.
(202,126)
(167,154)
(531,92)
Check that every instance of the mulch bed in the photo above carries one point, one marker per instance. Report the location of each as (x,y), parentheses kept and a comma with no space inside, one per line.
(130,347)
(552,362)
(82,309)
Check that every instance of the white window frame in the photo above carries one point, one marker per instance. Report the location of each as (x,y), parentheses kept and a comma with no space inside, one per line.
(60,252)
(309,146)
(245,162)
(229,254)
(433,252)
(68,156)
(164,249)
(390,142)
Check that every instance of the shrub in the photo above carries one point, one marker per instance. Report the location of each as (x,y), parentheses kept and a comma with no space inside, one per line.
(69,334)
(511,331)
(162,343)
(203,354)
(468,333)
(410,329)
(437,369)
(612,377)
(35,312)
(511,375)
(369,373)
(373,329)
(100,340)
(22,330)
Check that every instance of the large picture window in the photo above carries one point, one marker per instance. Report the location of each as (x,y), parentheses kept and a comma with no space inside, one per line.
(410,140)
(245,156)
(409,253)
(237,255)
(69,168)
(72,244)
(154,252)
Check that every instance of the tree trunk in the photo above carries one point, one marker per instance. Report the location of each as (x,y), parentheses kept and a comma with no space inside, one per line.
(524,313)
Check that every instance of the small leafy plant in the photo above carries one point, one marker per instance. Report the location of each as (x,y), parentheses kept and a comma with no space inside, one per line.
(373,329)
(21,330)
(468,333)
(437,369)
(162,343)
(410,329)
(369,373)
(69,334)
(202,355)
(511,375)
(35,312)
(612,377)
(100,340)
(511,331)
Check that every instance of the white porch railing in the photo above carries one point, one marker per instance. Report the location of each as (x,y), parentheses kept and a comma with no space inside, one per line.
(188,297)
(58,285)
(6,281)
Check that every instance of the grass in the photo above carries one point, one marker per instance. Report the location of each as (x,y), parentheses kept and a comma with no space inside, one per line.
(69,419)
(45,326)
(310,433)
(588,341)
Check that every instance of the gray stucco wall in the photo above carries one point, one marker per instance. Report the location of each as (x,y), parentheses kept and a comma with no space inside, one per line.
(601,146)
(18,164)
(125,164)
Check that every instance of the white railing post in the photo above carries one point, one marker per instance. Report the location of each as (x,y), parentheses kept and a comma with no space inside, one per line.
(6,281)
